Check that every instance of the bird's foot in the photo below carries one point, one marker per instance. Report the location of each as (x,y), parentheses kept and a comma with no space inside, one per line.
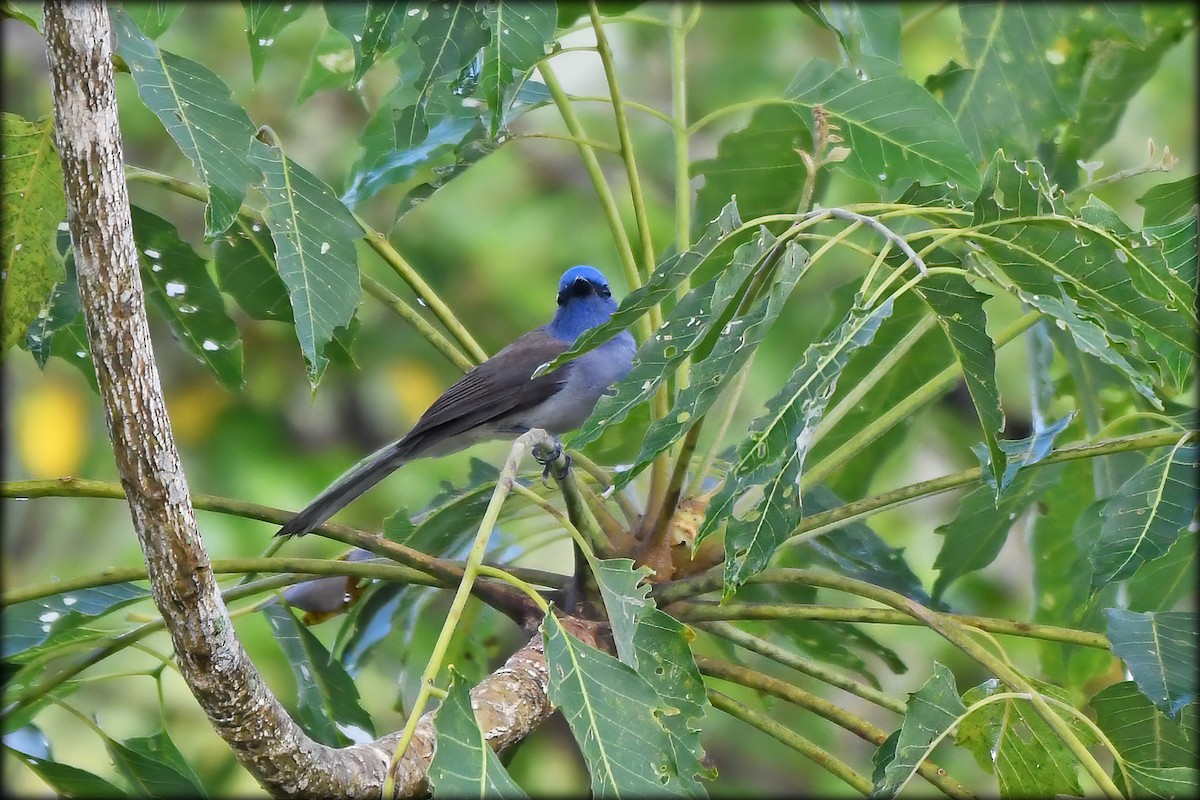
(548,458)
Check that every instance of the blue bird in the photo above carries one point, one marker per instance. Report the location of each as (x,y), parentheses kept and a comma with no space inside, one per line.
(497,399)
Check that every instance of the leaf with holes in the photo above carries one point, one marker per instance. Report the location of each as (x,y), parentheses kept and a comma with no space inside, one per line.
(519,33)
(931,710)
(198,111)
(315,251)
(625,591)
(31,207)
(613,714)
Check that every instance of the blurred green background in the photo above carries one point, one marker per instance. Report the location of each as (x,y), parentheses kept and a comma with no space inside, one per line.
(492,243)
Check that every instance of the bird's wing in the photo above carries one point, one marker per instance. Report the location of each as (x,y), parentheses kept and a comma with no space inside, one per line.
(496,387)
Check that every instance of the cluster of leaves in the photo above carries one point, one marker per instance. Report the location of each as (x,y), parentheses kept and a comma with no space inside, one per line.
(972,200)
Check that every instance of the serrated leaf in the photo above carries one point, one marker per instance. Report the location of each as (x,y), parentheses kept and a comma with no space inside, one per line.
(463,764)
(178,286)
(32,622)
(665,660)
(758,164)
(329,707)
(960,313)
(662,282)
(153,19)
(931,710)
(1146,515)
(1160,651)
(519,33)
(154,766)
(625,592)
(738,340)
(199,113)
(1168,202)
(31,207)
(894,128)
(613,715)
(1162,582)
(1138,730)
(1010,737)
(64,779)
(760,499)
(264,20)
(973,539)
(315,252)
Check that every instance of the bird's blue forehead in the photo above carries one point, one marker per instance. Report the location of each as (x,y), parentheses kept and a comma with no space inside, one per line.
(590,274)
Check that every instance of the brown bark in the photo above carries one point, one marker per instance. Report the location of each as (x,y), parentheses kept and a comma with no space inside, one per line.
(243,710)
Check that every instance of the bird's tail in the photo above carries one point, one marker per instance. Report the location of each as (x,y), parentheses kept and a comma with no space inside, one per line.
(356,480)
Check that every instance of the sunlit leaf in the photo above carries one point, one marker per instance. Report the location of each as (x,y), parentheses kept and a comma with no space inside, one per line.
(931,710)
(31,207)
(264,20)
(1009,736)
(328,704)
(178,286)
(614,716)
(1160,651)
(314,239)
(1146,515)
(198,111)
(463,764)
(894,128)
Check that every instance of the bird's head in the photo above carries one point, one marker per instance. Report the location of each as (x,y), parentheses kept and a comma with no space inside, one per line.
(581,282)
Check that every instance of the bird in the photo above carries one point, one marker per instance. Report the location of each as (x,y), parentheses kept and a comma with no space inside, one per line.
(498,399)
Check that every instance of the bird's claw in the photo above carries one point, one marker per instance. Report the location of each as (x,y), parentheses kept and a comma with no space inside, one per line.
(547,458)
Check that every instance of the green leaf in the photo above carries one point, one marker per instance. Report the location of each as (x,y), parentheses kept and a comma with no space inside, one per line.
(198,111)
(1168,202)
(760,498)
(737,340)
(614,716)
(264,20)
(447,40)
(153,18)
(1138,730)
(1162,582)
(329,708)
(973,539)
(32,622)
(29,745)
(451,520)
(758,164)
(1160,651)
(894,128)
(1020,453)
(664,658)
(30,209)
(330,66)
(178,286)
(244,257)
(315,252)
(383,24)
(931,710)
(154,766)
(662,282)
(1010,737)
(869,35)
(26,12)
(59,328)
(519,33)
(463,764)
(1144,518)
(348,19)
(1164,782)
(626,598)
(960,313)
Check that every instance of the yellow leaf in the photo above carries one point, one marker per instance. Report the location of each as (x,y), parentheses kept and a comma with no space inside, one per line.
(51,428)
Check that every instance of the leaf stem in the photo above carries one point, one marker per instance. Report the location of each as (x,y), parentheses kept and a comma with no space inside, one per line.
(418,322)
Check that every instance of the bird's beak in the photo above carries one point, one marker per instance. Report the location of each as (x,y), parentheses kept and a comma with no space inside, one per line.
(580,287)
